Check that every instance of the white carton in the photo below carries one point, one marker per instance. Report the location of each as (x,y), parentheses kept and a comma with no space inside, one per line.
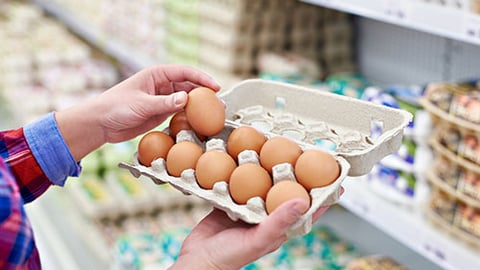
(306,116)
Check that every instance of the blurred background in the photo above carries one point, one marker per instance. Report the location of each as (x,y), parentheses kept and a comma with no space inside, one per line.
(417,209)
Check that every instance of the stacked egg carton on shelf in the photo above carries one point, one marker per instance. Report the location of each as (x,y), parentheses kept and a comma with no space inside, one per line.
(182,38)
(455,175)
(323,35)
(233,33)
(45,75)
(139,26)
(337,43)
(318,45)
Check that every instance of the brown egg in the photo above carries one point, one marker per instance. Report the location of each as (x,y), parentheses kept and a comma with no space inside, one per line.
(316,168)
(205,111)
(284,191)
(153,145)
(247,181)
(214,166)
(245,138)
(278,150)
(182,156)
(179,122)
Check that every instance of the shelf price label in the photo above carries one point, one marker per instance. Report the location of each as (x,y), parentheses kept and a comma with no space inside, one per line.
(472,27)
(395,9)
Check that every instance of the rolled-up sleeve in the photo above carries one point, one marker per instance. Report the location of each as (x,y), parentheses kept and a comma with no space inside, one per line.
(50,150)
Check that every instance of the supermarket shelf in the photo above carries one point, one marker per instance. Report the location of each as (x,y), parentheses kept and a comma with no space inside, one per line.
(432,177)
(461,24)
(409,227)
(127,56)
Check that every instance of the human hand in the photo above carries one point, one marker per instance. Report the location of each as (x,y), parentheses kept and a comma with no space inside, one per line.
(130,108)
(217,242)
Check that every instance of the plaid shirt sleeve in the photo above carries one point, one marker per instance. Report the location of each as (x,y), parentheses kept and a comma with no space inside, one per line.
(32,159)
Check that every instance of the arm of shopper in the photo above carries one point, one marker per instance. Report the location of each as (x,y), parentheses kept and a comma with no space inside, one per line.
(37,157)
(130,108)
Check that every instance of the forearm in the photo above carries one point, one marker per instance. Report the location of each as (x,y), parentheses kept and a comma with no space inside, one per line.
(80,128)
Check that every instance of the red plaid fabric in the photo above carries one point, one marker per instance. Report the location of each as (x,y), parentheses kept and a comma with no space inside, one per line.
(21,180)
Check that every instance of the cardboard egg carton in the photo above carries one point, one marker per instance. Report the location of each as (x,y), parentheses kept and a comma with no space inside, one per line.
(363,132)
(303,115)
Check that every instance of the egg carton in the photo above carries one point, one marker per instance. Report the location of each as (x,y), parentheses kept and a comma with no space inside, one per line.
(254,210)
(270,113)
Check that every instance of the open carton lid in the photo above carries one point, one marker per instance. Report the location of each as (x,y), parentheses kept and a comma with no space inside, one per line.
(309,117)
(361,132)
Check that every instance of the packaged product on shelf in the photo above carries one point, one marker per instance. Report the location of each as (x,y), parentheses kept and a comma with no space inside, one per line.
(443,205)
(376,262)
(455,216)
(447,171)
(469,147)
(467,218)
(322,248)
(469,184)
(448,135)
(55,73)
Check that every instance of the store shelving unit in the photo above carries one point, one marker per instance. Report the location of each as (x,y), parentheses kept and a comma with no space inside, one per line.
(416,14)
(403,224)
(135,60)
(409,227)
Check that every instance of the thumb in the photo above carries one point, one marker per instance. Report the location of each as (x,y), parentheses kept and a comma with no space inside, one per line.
(167,103)
(280,220)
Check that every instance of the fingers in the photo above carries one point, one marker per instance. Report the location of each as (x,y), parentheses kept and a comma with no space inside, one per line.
(164,104)
(180,73)
(279,221)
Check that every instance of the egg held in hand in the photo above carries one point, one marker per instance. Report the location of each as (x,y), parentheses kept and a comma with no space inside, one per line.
(205,111)
(183,155)
(245,138)
(153,145)
(214,166)
(284,191)
(179,122)
(247,181)
(279,150)
(316,168)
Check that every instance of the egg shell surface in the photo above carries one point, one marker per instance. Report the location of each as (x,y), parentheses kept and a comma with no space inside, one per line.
(316,168)
(214,166)
(245,138)
(247,181)
(284,191)
(153,145)
(278,150)
(205,111)
(183,155)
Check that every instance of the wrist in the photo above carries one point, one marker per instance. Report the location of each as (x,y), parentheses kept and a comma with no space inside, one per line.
(80,128)
(193,263)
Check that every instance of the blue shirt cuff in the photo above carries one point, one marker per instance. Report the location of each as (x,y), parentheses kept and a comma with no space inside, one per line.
(50,150)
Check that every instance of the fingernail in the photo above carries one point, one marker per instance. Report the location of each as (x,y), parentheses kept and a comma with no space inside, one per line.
(179,98)
(300,208)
